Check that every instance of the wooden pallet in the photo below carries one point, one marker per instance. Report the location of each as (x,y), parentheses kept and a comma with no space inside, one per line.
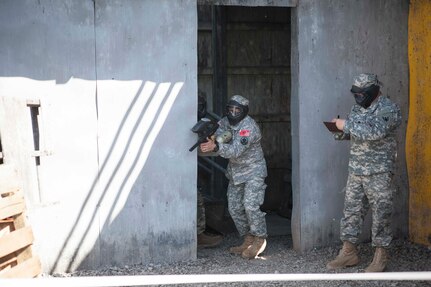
(16,257)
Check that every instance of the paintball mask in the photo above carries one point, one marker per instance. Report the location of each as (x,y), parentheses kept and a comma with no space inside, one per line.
(236,109)
(364,97)
(365,89)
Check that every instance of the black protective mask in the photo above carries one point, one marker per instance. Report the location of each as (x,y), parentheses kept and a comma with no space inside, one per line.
(235,118)
(364,97)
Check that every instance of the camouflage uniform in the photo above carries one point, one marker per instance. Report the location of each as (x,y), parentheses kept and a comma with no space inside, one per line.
(371,165)
(201,224)
(246,173)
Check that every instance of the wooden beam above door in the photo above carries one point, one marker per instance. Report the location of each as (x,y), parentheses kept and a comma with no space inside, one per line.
(250,3)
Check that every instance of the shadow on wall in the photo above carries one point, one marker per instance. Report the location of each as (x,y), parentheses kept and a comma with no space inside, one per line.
(119,167)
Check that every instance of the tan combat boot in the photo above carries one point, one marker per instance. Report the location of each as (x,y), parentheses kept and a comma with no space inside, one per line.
(379,261)
(255,249)
(248,241)
(205,241)
(348,256)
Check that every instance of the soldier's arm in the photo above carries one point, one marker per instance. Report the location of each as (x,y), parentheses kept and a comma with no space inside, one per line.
(239,144)
(222,128)
(373,127)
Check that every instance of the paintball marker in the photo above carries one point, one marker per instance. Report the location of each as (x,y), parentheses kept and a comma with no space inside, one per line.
(204,129)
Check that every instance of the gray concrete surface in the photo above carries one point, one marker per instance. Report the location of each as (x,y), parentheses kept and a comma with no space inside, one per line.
(119,185)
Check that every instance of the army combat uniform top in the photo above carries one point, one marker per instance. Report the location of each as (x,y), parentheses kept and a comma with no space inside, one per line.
(372,134)
(244,151)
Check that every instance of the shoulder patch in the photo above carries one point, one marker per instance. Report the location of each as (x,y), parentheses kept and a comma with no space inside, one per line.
(244,133)
(244,141)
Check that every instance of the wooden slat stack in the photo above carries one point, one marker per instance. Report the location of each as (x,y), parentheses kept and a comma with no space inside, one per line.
(16,257)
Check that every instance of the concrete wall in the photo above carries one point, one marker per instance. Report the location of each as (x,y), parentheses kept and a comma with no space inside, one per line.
(116,183)
(113,79)
(332,42)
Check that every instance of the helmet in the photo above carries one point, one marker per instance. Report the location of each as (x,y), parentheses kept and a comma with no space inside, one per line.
(236,109)
(365,89)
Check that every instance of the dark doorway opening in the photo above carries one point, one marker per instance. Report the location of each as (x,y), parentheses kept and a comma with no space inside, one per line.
(246,51)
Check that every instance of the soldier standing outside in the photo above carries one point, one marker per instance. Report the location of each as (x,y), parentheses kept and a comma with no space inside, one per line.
(246,172)
(371,126)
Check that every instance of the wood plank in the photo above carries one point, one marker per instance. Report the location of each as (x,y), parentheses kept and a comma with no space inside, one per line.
(12,210)
(33,102)
(16,240)
(27,269)
(19,223)
(250,71)
(9,180)
(6,223)
(6,227)
(219,56)
(250,3)
(11,205)
(8,261)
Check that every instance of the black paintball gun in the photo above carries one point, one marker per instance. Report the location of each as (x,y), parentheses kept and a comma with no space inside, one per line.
(204,128)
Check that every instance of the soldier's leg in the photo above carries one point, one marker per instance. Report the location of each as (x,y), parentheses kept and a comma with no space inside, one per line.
(354,204)
(235,195)
(253,198)
(380,194)
(204,240)
(200,221)
(355,208)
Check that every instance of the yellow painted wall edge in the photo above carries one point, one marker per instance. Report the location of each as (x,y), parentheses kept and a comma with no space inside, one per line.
(418,141)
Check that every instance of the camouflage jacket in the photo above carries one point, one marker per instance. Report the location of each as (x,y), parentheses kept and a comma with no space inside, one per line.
(245,154)
(372,132)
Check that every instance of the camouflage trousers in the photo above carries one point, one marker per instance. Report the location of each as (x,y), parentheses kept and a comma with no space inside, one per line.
(363,192)
(200,221)
(244,201)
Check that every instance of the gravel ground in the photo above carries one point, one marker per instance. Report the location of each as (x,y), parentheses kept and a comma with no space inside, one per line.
(279,257)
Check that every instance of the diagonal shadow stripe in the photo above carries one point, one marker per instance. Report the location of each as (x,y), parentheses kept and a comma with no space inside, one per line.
(144,150)
(95,181)
(156,101)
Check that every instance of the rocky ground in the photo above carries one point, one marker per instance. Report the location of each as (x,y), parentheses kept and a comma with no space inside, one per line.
(280,258)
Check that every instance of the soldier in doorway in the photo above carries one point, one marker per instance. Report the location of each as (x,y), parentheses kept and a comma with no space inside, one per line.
(246,173)
(204,239)
(371,126)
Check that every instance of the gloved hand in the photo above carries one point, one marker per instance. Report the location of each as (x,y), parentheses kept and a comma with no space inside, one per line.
(224,137)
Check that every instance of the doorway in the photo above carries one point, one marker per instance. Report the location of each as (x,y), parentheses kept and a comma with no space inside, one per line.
(246,51)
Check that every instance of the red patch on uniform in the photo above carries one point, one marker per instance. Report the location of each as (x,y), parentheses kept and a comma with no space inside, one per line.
(244,133)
